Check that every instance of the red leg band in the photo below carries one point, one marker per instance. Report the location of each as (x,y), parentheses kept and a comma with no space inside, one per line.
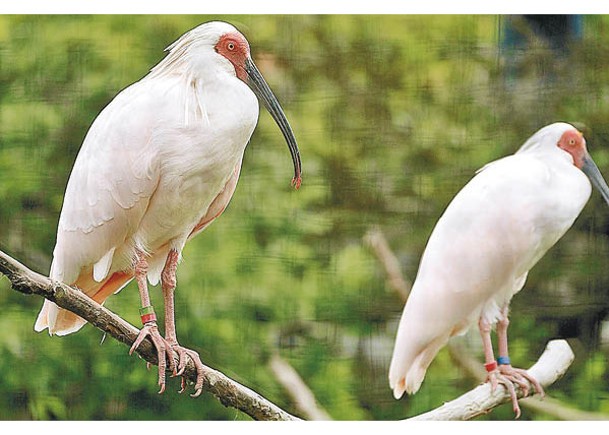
(148,318)
(490,367)
(147,314)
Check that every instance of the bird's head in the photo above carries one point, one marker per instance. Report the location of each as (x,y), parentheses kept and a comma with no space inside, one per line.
(572,142)
(220,46)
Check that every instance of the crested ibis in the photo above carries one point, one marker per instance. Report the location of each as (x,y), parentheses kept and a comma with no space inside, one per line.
(158,165)
(482,248)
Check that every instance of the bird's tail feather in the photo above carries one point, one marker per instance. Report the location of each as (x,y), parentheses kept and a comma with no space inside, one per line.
(62,322)
(408,369)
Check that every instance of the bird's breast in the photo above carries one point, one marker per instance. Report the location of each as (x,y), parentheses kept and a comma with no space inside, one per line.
(197,159)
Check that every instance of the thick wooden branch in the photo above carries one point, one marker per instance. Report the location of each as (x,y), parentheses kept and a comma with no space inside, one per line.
(297,389)
(548,405)
(227,391)
(552,364)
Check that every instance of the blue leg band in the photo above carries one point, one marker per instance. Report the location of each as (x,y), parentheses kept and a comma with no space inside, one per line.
(503,360)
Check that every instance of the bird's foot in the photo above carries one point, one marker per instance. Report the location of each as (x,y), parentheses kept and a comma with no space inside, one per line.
(496,378)
(163,349)
(507,376)
(520,377)
(184,354)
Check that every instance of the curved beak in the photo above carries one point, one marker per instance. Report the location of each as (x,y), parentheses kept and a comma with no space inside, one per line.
(262,90)
(591,170)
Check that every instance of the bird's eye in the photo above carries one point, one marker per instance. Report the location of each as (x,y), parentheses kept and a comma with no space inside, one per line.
(571,141)
(230,46)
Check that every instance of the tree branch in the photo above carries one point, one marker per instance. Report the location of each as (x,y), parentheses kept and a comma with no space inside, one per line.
(226,390)
(552,364)
(375,240)
(548,405)
(299,391)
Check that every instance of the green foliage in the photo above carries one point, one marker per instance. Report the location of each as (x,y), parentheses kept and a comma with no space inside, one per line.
(393,115)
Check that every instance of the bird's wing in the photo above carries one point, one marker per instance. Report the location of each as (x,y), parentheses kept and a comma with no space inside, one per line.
(489,232)
(113,178)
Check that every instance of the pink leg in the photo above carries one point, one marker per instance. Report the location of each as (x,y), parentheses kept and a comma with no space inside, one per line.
(168,282)
(150,326)
(518,376)
(494,376)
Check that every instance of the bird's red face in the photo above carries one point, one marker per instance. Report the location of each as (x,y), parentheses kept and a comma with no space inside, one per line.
(573,142)
(235,48)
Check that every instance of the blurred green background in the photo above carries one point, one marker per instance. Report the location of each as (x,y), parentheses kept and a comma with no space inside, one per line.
(393,115)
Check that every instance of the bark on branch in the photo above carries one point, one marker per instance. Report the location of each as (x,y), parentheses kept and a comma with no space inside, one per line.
(550,367)
(227,391)
(548,405)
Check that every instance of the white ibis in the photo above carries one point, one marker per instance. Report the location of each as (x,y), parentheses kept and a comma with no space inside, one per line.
(157,166)
(482,248)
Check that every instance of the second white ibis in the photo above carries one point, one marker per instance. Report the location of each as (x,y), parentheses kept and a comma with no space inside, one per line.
(482,248)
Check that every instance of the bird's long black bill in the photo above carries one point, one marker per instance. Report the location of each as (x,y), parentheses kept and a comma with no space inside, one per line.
(596,178)
(262,90)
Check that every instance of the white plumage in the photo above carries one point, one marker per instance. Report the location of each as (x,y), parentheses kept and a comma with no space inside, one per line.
(151,164)
(157,166)
(491,234)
